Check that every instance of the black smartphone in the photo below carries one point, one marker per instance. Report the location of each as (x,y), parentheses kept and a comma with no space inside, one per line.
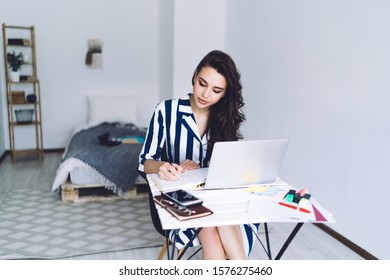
(182,198)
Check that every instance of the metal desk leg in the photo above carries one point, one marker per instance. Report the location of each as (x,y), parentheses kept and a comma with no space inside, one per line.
(268,249)
(171,256)
(267,240)
(186,247)
(288,241)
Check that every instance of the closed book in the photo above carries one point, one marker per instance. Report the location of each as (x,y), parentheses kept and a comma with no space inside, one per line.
(182,213)
(19,42)
(15,41)
(24,77)
(132,139)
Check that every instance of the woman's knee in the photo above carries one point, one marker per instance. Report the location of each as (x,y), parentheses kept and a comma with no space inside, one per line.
(209,234)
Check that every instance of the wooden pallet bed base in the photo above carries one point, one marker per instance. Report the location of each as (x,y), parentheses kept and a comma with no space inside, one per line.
(85,193)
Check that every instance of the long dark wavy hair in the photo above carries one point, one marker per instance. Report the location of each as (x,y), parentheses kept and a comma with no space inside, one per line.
(225,116)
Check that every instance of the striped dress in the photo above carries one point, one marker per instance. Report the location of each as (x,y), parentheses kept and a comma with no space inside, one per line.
(173,136)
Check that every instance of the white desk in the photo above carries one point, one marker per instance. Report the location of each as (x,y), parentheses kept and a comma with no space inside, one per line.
(241,206)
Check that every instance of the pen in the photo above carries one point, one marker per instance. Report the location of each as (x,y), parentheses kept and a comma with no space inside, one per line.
(304,210)
(288,205)
(178,176)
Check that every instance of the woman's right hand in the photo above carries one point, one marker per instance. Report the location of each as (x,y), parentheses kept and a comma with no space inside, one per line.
(170,171)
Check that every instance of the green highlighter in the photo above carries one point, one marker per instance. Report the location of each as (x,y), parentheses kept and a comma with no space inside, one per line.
(290,196)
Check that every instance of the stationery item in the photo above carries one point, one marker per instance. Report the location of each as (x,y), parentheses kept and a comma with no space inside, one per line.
(250,162)
(302,192)
(318,215)
(296,196)
(269,190)
(292,206)
(299,195)
(182,213)
(290,196)
(303,202)
(288,205)
(258,189)
(189,180)
(178,177)
(304,210)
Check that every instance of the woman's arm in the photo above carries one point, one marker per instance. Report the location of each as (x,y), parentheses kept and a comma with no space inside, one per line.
(166,170)
(151,150)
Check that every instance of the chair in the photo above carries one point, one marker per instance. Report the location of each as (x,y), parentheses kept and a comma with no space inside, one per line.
(164,250)
(157,225)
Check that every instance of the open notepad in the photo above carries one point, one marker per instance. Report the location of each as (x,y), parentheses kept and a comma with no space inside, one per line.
(189,180)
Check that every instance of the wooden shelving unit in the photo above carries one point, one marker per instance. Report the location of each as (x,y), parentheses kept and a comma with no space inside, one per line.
(17,91)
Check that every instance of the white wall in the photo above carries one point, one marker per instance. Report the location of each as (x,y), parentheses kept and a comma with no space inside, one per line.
(199,27)
(317,73)
(166,53)
(129,30)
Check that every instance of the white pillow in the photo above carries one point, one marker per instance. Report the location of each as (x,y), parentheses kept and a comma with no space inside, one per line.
(112,109)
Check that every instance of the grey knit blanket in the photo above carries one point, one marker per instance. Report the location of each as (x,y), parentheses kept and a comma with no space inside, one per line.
(114,166)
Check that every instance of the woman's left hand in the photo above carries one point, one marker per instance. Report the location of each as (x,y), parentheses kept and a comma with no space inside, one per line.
(189,165)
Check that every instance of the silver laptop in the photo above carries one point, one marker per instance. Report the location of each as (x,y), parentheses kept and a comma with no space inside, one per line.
(242,163)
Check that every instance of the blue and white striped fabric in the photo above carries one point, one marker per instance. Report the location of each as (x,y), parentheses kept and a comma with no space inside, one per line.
(173,136)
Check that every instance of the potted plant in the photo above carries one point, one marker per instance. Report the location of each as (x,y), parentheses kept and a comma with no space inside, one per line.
(15,62)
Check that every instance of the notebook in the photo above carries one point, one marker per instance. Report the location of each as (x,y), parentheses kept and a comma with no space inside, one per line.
(189,180)
(233,164)
(243,163)
(183,213)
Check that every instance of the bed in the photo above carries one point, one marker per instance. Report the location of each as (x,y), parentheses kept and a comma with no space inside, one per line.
(104,151)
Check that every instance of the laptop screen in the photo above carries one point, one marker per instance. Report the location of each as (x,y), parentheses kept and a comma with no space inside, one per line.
(246,162)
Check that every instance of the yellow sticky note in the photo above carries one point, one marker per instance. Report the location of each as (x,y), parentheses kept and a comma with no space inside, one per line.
(303,202)
(257,189)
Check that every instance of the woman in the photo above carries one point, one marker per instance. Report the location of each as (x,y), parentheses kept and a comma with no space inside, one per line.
(181,137)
